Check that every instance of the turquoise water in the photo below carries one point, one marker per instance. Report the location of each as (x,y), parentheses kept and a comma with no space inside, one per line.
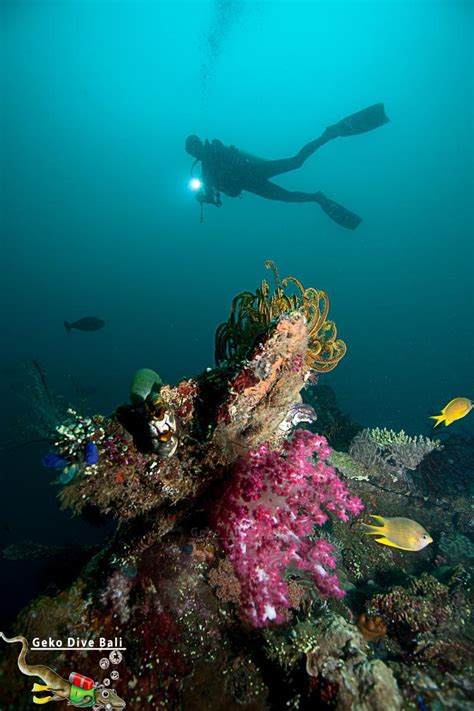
(98,219)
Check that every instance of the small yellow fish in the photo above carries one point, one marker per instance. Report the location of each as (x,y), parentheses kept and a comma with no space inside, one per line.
(400,533)
(454,410)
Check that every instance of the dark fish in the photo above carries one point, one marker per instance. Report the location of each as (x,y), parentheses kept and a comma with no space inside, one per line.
(88,323)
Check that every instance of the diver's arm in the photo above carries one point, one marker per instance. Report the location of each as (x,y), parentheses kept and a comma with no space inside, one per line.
(209,193)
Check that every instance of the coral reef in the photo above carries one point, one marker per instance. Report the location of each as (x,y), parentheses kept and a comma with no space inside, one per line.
(132,476)
(339,663)
(456,458)
(251,314)
(371,627)
(349,467)
(287,645)
(266,518)
(76,441)
(230,519)
(263,391)
(428,620)
(224,581)
(390,452)
(455,548)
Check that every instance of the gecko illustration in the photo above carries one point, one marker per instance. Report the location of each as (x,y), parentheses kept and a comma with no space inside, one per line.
(62,690)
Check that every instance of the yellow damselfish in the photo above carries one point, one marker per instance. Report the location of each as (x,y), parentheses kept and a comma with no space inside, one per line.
(454,410)
(400,533)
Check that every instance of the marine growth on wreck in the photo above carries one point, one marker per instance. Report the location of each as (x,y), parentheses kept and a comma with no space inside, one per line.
(238,574)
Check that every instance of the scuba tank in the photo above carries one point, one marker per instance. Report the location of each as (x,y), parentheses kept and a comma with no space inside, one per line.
(83,682)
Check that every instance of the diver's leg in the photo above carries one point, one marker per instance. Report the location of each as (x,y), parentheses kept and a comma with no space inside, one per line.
(336,212)
(269,190)
(362,121)
(271,168)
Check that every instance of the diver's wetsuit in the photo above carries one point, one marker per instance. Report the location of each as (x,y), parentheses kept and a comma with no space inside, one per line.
(228,170)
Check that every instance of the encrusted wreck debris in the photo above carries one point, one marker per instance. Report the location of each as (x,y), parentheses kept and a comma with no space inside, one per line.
(233,550)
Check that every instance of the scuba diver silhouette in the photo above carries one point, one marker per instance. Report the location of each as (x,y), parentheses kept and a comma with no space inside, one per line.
(225,169)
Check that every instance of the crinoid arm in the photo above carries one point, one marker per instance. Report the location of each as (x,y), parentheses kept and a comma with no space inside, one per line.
(251,314)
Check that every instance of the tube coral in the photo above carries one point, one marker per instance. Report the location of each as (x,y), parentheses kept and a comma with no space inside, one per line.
(266,516)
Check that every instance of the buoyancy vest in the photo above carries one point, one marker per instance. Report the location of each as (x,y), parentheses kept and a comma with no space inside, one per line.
(78,696)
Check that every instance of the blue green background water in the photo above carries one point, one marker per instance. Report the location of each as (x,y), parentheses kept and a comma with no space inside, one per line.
(97,218)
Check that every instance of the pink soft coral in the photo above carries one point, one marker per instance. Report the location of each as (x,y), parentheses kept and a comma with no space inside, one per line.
(267,514)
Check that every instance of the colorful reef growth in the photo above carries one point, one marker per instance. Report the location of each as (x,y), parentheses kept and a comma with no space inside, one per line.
(252,313)
(236,574)
(267,516)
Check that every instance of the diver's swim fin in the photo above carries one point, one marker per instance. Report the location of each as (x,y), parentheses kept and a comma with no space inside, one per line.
(338,213)
(362,121)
